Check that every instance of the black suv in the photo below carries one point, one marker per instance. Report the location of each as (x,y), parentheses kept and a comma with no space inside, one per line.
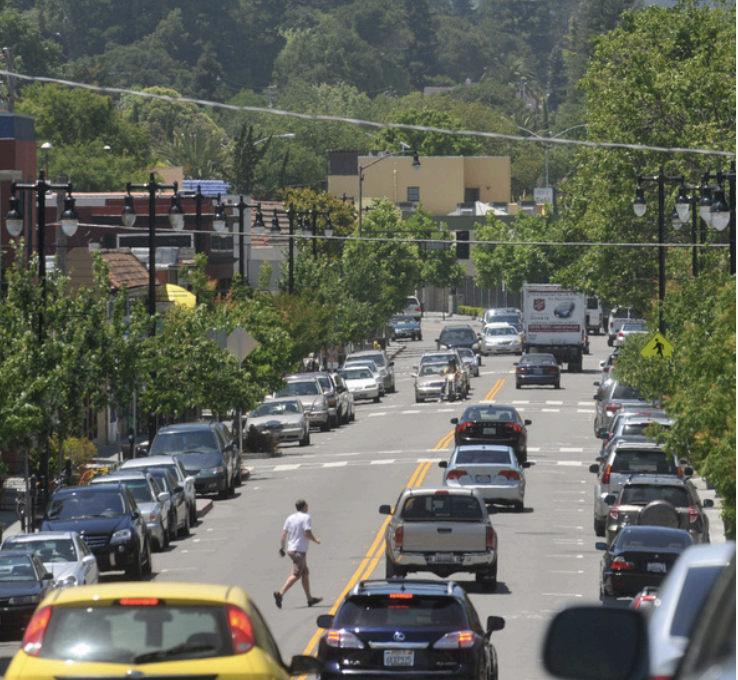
(659,500)
(207,453)
(422,628)
(459,336)
(107,517)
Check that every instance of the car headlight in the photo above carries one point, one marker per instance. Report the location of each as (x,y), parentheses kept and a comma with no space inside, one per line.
(220,470)
(122,536)
(66,582)
(24,599)
(442,346)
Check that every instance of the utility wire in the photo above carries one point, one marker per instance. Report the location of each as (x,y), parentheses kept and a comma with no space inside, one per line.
(368,123)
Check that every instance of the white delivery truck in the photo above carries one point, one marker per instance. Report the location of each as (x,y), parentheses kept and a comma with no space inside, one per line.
(555,322)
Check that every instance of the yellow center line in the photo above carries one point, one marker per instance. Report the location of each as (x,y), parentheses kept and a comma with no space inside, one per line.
(373,555)
(495,389)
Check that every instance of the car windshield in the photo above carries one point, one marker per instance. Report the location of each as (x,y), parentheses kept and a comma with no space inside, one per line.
(637,460)
(505,330)
(458,335)
(86,503)
(637,429)
(199,461)
(325,383)
(134,634)
(402,320)
(302,388)
(466,353)
(643,495)
(412,611)
(441,505)
(48,549)
(484,457)
(275,409)
(16,568)
(378,359)
(356,374)
(432,369)
(176,442)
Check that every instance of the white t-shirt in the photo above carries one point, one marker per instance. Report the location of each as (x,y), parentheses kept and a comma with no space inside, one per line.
(296,525)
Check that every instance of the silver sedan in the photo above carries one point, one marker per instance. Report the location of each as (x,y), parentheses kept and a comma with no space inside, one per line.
(64,553)
(491,469)
(283,418)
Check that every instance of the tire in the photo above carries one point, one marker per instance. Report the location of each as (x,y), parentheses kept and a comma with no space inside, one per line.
(391,570)
(557,386)
(232,485)
(518,386)
(518,506)
(326,426)
(599,528)
(660,514)
(352,417)
(488,580)
(148,566)
(135,571)
(192,515)
(173,526)
(609,342)
(238,480)
(377,399)
(164,543)
(185,530)
(305,441)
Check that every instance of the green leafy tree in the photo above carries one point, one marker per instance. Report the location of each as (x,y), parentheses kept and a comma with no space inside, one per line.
(429,143)
(242,173)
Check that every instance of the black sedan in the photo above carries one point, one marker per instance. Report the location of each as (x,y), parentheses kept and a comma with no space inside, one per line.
(640,556)
(537,369)
(24,582)
(405,628)
(492,424)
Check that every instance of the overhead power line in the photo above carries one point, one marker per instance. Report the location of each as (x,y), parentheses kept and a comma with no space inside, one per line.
(368,123)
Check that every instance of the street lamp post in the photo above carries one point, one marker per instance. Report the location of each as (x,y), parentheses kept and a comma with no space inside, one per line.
(639,207)
(391,154)
(686,200)
(14,223)
(722,213)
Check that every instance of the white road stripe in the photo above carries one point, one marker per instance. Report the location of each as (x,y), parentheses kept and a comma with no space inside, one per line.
(389,461)
(340,463)
(285,468)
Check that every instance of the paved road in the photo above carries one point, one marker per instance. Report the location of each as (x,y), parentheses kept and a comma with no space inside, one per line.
(549,555)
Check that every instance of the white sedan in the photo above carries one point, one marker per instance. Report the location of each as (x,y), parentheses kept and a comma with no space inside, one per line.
(283,418)
(361,382)
(501,338)
(491,469)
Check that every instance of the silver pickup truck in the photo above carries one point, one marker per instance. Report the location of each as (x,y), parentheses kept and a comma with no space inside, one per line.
(443,531)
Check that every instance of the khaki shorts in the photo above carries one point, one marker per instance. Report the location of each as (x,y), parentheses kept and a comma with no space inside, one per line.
(299,563)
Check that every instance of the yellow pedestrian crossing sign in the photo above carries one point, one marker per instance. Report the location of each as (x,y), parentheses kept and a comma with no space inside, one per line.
(657,346)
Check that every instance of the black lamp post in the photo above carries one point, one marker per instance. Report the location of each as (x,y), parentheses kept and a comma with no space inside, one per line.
(14,223)
(722,211)
(639,207)
(686,200)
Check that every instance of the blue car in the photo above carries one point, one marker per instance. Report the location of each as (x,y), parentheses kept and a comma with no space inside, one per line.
(405,327)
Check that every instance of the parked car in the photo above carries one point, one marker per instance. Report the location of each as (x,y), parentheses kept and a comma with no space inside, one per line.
(283,418)
(623,459)
(151,500)
(656,500)
(360,382)
(618,316)
(384,364)
(635,424)
(63,553)
(310,393)
(107,517)
(24,582)
(537,369)
(179,515)
(627,329)
(613,397)
(368,363)
(594,315)
(391,628)
(337,400)
(640,556)
(501,338)
(186,481)
(456,337)
(345,395)
(405,327)
(492,470)
(413,307)
(156,629)
(678,601)
(470,359)
(208,453)
(493,424)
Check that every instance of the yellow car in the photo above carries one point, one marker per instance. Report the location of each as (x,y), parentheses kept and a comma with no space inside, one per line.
(175,630)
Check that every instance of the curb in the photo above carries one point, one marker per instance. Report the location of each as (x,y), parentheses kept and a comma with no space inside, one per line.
(204,506)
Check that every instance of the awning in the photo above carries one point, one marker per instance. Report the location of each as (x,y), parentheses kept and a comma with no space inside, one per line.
(176,294)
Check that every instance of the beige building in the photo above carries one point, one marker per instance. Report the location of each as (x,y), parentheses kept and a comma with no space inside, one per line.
(439,184)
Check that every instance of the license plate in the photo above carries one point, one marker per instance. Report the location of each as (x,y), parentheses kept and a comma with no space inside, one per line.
(483,479)
(489,430)
(656,567)
(399,657)
(443,557)
(538,370)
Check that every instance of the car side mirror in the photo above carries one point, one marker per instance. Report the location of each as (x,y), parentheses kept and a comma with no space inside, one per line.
(304,665)
(688,471)
(597,383)
(454,421)
(164,496)
(528,422)
(602,433)
(595,468)
(135,514)
(47,576)
(527,464)
(495,623)
(611,499)
(89,559)
(442,463)
(385,510)
(413,375)
(708,503)
(325,621)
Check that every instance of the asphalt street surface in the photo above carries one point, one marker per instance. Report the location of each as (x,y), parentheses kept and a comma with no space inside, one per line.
(549,555)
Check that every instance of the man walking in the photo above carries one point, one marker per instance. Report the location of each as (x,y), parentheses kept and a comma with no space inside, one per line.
(297,533)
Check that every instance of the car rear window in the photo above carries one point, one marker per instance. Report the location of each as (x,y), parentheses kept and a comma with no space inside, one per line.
(654,539)
(482,456)
(697,584)
(625,392)
(439,506)
(643,495)
(507,318)
(129,634)
(407,611)
(654,462)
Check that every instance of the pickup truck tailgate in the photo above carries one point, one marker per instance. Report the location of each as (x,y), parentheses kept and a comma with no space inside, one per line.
(450,536)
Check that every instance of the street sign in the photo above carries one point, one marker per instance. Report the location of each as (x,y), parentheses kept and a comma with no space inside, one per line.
(543,195)
(240,344)
(657,346)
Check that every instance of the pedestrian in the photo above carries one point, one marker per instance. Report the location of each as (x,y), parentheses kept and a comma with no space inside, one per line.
(296,535)
(309,365)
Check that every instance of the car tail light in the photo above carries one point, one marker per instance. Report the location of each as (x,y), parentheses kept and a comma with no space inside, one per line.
(643,599)
(241,632)
(621,564)
(694,514)
(553,370)
(522,369)
(491,539)
(606,475)
(612,408)
(456,474)
(399,536)
(615,512)
(34,636)
(463,427)
(512,475)
(621,335)
(460,639)
(680,472)
(513,427)
(342,639)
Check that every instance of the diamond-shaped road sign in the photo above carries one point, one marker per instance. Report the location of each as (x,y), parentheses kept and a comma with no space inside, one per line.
(240,344)
(657,346)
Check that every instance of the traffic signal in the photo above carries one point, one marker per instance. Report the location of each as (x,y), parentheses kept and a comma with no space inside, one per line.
(462,245)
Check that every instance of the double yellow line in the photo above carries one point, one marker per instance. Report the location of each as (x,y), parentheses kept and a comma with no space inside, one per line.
(376,550)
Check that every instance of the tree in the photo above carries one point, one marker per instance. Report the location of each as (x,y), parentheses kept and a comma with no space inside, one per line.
(246,156)
(429,143)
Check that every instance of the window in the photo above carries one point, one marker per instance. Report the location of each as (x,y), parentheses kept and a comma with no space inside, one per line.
(413,194)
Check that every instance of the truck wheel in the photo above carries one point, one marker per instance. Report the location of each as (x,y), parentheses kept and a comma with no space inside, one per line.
(610,341)
(391,570)
(488,580)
